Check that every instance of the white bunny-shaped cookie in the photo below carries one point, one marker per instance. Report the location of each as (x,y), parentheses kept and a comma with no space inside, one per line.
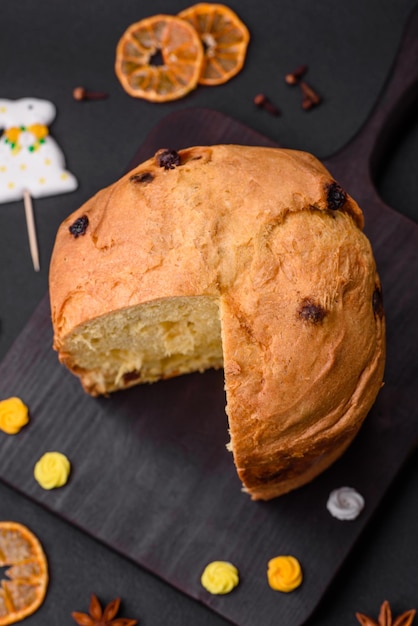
(29,157)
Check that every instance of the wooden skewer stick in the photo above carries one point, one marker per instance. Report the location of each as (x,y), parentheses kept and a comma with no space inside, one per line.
(30,223)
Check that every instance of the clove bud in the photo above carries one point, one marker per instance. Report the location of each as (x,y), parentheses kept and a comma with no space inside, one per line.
(263,102)
(294,77)
(310,97)
(80,93)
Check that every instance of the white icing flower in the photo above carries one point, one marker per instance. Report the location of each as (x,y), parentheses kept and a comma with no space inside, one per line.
(345,503)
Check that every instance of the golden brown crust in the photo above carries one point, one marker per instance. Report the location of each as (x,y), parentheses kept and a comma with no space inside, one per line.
(279,243)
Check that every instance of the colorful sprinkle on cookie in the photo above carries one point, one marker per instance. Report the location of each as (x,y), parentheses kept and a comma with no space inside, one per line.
(14,414)
(220,577)
(52,470)
(284,573)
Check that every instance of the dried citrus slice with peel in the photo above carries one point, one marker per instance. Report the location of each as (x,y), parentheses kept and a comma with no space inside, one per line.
(225,38)
(181,51)
(25,580)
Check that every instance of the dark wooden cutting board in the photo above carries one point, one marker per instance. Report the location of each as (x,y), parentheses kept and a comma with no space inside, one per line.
(151,476)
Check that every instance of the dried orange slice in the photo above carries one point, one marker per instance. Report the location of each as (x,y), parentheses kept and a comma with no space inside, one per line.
(225,38)
(181,52)
(23,588)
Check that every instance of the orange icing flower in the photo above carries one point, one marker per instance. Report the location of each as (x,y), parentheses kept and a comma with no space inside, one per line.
(284,573)
(12,134)
(52,470)
(219,577)
(39,130)
(14,415)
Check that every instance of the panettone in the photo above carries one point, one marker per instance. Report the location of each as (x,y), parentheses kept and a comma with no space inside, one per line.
(251,259)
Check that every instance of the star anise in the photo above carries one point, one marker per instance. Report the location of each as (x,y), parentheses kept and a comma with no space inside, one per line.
(102,617)
(385,617)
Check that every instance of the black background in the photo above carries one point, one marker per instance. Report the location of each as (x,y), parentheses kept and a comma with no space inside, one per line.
(49,47)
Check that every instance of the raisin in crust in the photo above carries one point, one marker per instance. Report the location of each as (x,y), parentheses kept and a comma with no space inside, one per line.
(251,259)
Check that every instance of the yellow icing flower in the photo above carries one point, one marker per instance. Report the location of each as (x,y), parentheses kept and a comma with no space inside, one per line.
(14,415)
(220,577)
(284,573)
(52,470)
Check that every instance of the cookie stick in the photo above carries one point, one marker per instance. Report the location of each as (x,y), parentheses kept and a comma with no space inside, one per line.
(30,224)
(30,158)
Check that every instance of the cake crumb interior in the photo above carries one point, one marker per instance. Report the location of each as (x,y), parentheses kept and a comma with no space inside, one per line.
(143,343)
